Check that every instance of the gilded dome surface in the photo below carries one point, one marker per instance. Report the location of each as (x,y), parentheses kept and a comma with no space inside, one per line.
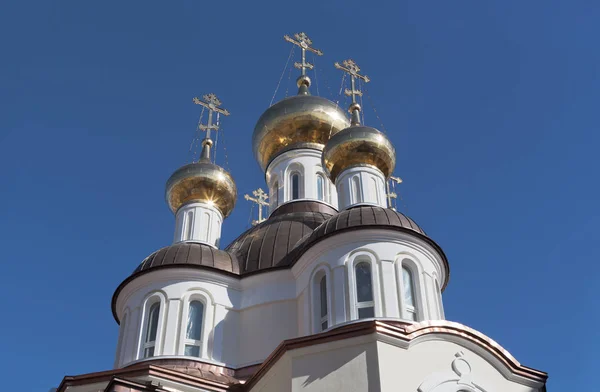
(296,120)
(201,181)
(358,146)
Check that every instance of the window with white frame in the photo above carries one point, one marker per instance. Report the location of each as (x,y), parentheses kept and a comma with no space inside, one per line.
(151,330)
(408,294)
(320,187)
(295,185)
(365,305)
(323,311)
(193,333)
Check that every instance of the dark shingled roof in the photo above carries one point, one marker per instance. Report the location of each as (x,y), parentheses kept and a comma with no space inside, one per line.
(190,254)
(268,244)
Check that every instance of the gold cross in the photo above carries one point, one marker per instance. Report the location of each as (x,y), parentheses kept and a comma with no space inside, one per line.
(260,199)
(212,103)
(304,43)
(391,194)
(352,69)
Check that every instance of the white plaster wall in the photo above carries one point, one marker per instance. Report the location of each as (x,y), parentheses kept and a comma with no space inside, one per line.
(361,185)
(380,363)
(387,251)
(307,162)
(430,363)
(198,222)
(245,319)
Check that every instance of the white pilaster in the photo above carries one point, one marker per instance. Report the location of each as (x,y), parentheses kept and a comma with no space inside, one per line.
(172,327)
(340,297)
(361,185)
(198,222)
(389,287)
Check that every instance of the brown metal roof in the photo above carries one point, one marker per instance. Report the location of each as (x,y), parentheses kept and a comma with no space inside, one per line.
(268,244)
(190,254)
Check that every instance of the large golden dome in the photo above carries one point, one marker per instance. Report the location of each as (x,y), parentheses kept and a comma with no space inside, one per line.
(296,120)
(201,181)
(358,146)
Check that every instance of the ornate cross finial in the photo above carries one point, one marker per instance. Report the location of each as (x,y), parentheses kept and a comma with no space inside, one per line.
(391,194)
(351,68)
(302,40)
(212,103)
(260,199)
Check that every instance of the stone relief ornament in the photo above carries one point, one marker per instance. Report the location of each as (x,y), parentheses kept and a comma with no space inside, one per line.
(457,380)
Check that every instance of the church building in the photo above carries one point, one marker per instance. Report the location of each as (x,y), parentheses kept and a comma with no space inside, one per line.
(334,291)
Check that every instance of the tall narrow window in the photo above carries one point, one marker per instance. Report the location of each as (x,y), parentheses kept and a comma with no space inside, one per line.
(364,291)
(189,225)
(323,302)
(408,294)
(295,186)
(356,190)
(151,329)
(320,188)
(193,333)
(274,194)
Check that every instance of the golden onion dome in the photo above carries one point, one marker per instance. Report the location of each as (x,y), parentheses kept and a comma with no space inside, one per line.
(202,181)
(358,146)
(300,120)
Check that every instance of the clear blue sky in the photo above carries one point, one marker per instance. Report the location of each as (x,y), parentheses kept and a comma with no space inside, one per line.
(492,106)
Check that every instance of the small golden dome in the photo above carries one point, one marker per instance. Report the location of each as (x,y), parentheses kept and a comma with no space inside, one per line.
(358,146)
(201,181)
(293,121)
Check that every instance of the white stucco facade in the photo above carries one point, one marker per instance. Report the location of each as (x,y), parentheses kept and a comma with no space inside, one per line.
(239,327)
(361,185)
(311,182)
(198,222)
(377,362)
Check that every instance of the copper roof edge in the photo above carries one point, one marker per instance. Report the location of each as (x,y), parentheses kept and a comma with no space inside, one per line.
(157,368)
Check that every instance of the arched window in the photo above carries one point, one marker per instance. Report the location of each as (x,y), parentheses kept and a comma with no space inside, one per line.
(151,329)
(295,179)
(189,225)
(408,295)
(320,187)
(323,303)
(193,333)
(364,290)
(356,190)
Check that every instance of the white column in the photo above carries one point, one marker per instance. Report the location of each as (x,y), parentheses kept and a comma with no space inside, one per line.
(307,164)
(360,185)
(172,327)
(389,288)
(340,297)
(198,222)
